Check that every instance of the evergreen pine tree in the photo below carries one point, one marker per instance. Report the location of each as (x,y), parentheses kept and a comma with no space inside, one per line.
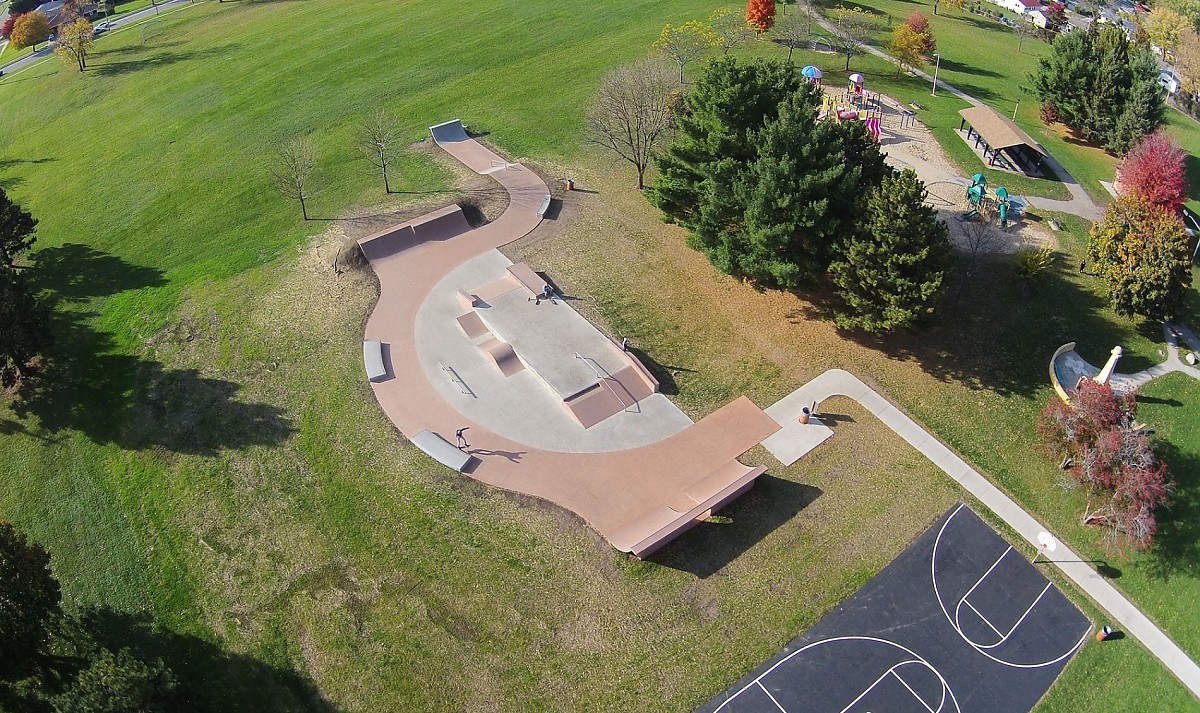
(892,268)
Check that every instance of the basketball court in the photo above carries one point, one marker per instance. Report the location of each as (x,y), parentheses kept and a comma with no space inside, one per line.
(960,621)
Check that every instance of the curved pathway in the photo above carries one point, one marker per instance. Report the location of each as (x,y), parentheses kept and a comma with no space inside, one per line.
(837,382)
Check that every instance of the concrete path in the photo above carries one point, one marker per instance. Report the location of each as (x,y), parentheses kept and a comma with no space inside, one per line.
(837,382)
(1080,204)
(1173,364)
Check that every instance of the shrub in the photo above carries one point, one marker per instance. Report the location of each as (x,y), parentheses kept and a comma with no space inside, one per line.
(1031,264)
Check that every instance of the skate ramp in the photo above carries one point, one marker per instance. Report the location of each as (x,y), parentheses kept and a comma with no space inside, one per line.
(448,132)
(441,224)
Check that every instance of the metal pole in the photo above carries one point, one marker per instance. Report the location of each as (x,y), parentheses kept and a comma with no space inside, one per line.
(935,72)
(1018,106)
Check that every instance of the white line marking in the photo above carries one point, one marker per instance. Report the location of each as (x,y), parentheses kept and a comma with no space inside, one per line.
(910,690)
(916,659)
(764,690)
(981,616)
(933,575)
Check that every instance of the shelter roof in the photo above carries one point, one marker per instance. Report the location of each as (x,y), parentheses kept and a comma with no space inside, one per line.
(997,129)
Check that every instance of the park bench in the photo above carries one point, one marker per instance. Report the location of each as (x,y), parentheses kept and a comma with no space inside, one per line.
(441,450)
(373,360)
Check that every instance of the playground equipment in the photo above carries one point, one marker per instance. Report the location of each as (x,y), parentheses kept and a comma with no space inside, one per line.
(812,74)
(854,83)
(977,196)
(848,106)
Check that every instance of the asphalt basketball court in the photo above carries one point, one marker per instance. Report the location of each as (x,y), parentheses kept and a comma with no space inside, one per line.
(960,621)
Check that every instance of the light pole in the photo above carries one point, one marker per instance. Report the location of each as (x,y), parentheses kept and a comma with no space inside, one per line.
(936,67)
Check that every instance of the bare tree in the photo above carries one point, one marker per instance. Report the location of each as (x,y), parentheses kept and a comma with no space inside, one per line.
(1024,29)
(977,241)
(793,28)
(377,139)
(294,163)
(632,111)
(851,29)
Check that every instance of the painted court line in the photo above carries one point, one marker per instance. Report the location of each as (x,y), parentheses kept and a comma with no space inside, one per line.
(904,683)
(764,690)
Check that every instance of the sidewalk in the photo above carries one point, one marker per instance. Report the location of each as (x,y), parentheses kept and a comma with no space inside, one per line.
(837,382)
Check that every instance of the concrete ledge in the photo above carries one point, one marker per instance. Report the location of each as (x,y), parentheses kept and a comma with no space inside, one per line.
(441,450)
(373,360)
(545,206)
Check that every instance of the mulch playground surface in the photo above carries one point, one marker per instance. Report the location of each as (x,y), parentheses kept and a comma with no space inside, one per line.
(960,621)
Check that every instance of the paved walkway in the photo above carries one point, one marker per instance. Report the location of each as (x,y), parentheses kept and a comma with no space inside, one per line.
(1081,203)
(1173,363)
(837,382)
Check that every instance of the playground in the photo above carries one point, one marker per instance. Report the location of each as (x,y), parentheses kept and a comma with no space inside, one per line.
(960,621)
(908,143)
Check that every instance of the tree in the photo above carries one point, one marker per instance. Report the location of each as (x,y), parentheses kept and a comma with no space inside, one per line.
(1023,28)
(1188,9)
(1165,29)
(1144,113)
(24,327)
(907,47)
(1056,16)
(684,44)
(891,270)
(20,7)
(795,200)
(17,228)
(119,683)
(1155,169)
(729,101)
(29,601)
(919,24)
(7,28)
(1110,455)
(294,163)
(75,41)
(1143,254)
(793,28)
(30,30)
(632,112)
(851,30)
(760,14)
(731,30)
(377,140)
(1187,60)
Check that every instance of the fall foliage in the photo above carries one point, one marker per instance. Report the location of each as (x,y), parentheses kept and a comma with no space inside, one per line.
(30,30)
(1141,251)
(1154,169)
(760,14)
(1110,455)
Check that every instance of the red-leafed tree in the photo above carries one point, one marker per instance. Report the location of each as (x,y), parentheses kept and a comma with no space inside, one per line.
(919,24)
(760,14)
(1056,16)
(1154,169)
(6,28)
(1111,456)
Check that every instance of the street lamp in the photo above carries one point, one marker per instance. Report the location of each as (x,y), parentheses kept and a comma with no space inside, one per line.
(935,72)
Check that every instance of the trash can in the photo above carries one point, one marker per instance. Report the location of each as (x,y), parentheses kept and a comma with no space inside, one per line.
(570,184)
(804,414)
(1105,633)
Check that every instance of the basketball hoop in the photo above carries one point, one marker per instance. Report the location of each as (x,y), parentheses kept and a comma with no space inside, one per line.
(1047,543)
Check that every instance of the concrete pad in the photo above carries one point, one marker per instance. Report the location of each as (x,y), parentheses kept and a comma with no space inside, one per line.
(521,407)
(794,440)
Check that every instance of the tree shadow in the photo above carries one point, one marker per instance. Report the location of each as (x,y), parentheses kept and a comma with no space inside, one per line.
(708,547)
(995,331)
(1177,543)
(211,679)
(952,66)
(89,384)
(162,59)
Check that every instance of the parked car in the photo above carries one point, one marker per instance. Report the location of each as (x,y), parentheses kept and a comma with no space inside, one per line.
(1168,81)
(101,28)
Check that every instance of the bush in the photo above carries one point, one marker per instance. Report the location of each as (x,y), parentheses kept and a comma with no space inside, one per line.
(1031,264)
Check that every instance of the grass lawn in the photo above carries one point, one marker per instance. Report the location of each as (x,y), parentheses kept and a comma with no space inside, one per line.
(206,451)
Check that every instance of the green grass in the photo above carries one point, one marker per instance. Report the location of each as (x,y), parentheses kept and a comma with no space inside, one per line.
(205,449)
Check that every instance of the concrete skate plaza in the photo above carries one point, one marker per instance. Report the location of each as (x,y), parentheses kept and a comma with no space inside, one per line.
(466,344)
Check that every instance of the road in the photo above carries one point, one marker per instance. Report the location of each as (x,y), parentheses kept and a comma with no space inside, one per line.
(26,62)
